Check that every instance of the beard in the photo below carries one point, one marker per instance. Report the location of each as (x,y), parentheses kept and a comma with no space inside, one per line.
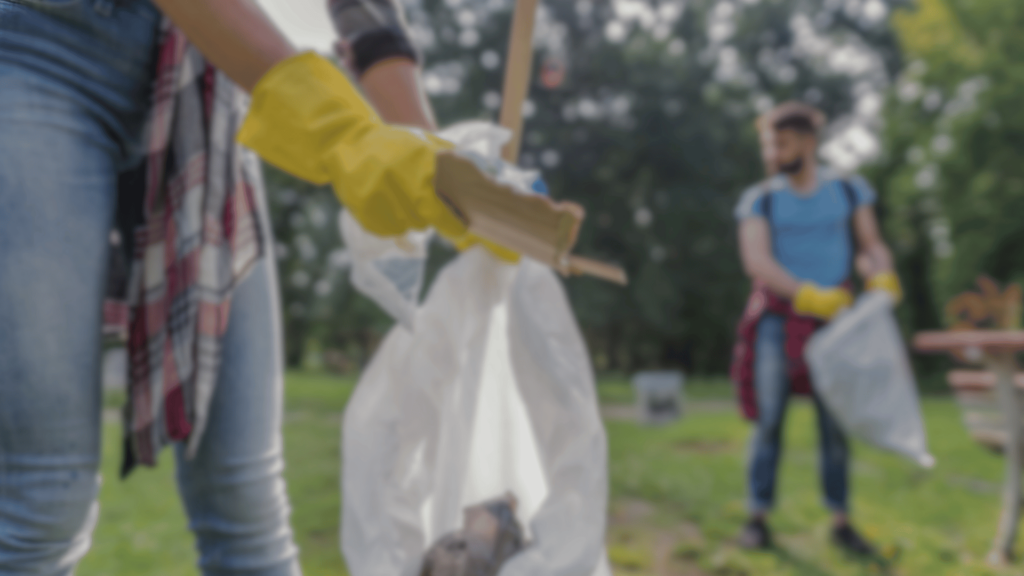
(793,167)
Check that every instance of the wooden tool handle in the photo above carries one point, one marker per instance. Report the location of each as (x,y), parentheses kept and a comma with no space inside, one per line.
(581,266)
(518,69)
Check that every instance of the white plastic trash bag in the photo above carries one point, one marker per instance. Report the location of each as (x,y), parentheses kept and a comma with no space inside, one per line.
(389,271)
(482,142)
(491,392)
(861,372)
(486,391)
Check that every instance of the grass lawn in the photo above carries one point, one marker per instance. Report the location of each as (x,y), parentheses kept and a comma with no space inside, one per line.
(677,496)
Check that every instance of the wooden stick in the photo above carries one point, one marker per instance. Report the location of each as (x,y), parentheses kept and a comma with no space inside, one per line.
(1004,367)
(580,266)
(518,70)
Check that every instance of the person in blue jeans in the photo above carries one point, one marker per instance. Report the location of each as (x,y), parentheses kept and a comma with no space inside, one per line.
(76,82)
(800,233)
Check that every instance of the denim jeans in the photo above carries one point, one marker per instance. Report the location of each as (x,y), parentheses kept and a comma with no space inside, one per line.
(75,77)
(772,388)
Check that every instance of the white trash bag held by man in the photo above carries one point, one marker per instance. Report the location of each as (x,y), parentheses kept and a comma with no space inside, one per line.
(861,371)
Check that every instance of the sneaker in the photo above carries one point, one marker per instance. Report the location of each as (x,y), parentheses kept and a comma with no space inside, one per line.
(755,535)
(846,538)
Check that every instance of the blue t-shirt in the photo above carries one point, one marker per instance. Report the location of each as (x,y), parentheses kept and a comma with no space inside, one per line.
(810,232)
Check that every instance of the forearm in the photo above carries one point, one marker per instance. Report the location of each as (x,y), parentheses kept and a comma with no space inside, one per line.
(774,277)
(375,44)
(878,259)
(874,257)
(235,35)
(395,90)
(758,260)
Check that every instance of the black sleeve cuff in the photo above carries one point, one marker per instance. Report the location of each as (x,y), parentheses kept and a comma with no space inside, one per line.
(382,44)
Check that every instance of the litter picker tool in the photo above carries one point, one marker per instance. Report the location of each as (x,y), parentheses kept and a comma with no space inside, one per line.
(518,70)
(534,226)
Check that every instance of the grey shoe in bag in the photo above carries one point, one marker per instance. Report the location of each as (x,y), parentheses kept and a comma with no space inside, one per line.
(490,536)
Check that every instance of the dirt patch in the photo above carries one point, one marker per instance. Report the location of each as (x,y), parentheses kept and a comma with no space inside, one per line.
(705,446)
(976,485)
(678,551)
(111,416)
(709,405)
(641,544)
(628,412)
(619,412)
(630,511)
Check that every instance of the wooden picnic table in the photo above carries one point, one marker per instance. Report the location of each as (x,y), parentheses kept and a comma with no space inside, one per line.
(995,349)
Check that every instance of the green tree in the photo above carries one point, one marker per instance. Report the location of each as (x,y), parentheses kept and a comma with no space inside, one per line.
(317,301)
(652,132)
(954,128)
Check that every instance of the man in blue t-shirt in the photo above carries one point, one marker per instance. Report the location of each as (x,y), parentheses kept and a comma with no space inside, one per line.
(800,233)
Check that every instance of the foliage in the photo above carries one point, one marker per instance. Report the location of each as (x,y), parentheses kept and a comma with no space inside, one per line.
(954,128)
(652,132)
(318,303)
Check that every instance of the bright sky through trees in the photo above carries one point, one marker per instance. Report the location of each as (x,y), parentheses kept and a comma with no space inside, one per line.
(304,21)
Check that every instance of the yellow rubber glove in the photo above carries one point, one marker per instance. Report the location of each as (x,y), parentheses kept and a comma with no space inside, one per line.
(824,303)
(499,252)
(307,119)
(889,282)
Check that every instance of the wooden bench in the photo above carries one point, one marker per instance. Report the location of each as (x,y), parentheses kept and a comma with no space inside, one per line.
(985,328)
(992,403)
(976,393)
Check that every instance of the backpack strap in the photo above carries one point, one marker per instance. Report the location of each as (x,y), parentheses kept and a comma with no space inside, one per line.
(851,195)
(851,199)
(767,204)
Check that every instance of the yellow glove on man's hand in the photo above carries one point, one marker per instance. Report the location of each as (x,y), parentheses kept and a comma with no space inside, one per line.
(824,303)
(307,119)
(889,282)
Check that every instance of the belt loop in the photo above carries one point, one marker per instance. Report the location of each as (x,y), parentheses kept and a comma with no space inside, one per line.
(104,7)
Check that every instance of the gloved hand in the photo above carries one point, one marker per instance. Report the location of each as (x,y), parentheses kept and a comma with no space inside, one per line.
(889,282)
(503,172)
(824,303)
(307,119)
(500,252)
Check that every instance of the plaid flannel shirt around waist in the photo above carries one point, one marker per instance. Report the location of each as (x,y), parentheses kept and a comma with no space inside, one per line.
(194,239)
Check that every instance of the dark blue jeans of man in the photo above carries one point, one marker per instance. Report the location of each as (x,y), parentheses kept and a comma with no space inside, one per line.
(772,387)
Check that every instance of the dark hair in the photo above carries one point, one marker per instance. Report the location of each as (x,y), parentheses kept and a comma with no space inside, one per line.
(793,115)
(797,122)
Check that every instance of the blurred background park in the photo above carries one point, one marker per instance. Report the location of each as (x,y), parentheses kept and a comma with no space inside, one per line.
(643,112)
